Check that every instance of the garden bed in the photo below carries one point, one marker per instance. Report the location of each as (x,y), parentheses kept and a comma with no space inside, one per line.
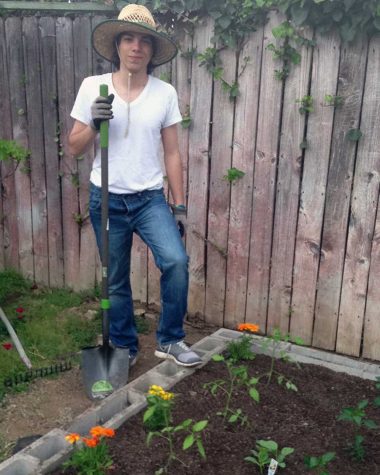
(305,420)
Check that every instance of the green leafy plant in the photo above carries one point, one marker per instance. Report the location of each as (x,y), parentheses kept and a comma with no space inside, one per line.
(357,416)
(273,343)
(319,464)
(159,416)
(186,118)
(237,376)
(91,456)
(306,104)
(334,101)
(10,150)
(240,349)
(376,401)
(233,174)
(265,451)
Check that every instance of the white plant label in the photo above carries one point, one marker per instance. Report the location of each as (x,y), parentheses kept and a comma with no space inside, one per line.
(272,467)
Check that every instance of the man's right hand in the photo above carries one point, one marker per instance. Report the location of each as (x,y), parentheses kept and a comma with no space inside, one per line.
(101,109)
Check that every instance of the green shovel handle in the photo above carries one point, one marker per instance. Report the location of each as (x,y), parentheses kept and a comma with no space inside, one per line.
(104,125)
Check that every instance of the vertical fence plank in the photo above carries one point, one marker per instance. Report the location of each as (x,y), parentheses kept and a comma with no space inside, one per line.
(51,144)
(371,343)
(287,193)
(10,242)
(338,194)
(68,169)
(87,244)
(200,106)
(320,122)
(363,213)
(16,71)
(241,192)
(181,77)
(164,73)
(100,66)
(219,196)
(36,146)
(264,183)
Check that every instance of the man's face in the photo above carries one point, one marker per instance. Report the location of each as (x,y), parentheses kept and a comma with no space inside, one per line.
(135,51)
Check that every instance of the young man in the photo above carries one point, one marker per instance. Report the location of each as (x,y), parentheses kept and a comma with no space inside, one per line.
(143,113)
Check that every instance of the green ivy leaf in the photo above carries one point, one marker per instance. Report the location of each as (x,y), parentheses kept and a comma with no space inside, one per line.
(354,135)
(299,14)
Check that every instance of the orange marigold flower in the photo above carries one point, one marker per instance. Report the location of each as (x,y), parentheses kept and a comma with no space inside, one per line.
(99,431)
(249,327)
(72,438)
(91,442)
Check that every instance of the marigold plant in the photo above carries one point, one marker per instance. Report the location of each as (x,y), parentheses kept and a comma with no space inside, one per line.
(90,455)
(248,327)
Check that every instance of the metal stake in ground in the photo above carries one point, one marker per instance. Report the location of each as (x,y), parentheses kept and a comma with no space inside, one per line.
(104,368)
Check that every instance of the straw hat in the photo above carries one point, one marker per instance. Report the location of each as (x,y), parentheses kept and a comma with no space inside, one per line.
(135,19)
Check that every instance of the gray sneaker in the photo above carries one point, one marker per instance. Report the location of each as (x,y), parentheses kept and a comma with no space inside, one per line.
(132,359)
(180,353)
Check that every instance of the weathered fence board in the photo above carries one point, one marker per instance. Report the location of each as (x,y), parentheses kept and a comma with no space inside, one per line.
(68,168)
(371,343)
(200,106)
(363,214)
(51,147)
(8,191)
(83,67)
(338,193)
(33,94)
(13,28)
(264,184)
(243,152)
(287,193)
(313,191)
(220,190)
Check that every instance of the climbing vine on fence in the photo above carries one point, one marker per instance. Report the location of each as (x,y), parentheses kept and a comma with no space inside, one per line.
(234,20)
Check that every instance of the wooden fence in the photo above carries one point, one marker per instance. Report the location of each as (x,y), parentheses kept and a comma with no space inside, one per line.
(294,244)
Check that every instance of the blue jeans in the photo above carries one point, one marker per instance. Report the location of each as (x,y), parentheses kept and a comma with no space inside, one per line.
(148,215)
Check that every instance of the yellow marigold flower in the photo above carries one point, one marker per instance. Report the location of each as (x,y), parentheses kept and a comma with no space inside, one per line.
(250,327)
(91,442)
(72,438)
(158,391)
(99,431)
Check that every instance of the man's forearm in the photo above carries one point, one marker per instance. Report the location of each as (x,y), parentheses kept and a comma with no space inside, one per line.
(81,139)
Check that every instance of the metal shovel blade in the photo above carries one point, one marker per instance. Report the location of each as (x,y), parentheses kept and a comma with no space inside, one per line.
(104,369)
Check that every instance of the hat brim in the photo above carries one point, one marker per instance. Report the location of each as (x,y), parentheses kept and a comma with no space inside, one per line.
(104,34)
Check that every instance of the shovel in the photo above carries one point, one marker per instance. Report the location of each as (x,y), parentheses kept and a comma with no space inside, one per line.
(104,367)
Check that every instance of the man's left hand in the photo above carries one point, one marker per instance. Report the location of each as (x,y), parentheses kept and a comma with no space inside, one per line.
(180,212)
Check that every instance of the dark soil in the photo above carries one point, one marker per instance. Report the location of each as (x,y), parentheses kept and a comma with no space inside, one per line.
(305,420)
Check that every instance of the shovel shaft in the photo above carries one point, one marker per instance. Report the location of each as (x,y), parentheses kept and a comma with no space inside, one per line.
(104,220)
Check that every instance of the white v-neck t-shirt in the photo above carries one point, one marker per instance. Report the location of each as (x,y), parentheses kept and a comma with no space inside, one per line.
(134,159)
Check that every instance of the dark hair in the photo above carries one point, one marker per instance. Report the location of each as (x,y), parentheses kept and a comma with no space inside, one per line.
(115,57)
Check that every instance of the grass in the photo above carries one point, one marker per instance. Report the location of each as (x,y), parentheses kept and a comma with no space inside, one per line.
(50,330)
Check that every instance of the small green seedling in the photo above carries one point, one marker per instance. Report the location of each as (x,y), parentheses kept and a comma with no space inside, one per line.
(318,464)
(240,349)
(237,377)
(265,451)
(273,342)
(357,416)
